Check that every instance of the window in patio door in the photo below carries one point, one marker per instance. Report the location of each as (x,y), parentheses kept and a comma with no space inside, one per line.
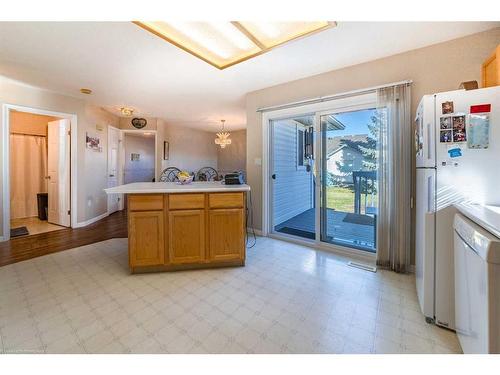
(349,191)
(292,179)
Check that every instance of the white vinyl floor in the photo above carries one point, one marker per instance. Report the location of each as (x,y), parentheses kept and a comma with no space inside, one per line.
(287,299)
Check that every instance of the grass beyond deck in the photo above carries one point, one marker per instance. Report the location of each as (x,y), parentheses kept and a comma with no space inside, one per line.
(342,199)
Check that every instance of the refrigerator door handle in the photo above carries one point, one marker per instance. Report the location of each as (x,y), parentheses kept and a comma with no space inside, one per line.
(429,138)
(430,194)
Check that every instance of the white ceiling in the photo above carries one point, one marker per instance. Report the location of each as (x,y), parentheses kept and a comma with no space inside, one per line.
(126,66)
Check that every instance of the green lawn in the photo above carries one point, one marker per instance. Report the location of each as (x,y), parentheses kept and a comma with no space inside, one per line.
(342,199)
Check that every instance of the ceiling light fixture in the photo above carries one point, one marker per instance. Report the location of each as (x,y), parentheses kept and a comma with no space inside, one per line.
(223,44)
(86,91)
(223,136)
(125,111)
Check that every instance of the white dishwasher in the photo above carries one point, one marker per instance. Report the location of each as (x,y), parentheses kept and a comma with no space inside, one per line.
(477,287)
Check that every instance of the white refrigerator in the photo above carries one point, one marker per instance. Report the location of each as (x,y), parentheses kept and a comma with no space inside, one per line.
(457,136)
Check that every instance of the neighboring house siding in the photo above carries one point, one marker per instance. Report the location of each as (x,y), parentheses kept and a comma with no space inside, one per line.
(293,188)
(345,156)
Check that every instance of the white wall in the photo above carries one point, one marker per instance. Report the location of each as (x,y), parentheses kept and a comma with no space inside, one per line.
(342,157)
(142,170)
(92,173)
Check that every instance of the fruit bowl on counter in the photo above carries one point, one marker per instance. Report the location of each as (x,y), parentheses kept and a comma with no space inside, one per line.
(184,178)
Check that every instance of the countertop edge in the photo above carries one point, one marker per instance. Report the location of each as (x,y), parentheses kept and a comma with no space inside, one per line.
(177,189)
(481,216)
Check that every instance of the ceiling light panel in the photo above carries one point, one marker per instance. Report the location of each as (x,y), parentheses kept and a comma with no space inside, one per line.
(223,44)
(272,34)
(218,44)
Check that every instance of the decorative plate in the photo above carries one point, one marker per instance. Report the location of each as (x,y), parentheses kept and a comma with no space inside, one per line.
(139,123)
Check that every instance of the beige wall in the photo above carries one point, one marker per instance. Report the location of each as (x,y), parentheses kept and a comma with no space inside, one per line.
(91,171)
(435,68)
(142,170)
(233,157)
(29,123)
(190,149)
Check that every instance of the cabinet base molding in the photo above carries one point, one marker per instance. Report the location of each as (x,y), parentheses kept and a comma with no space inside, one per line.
(185,267)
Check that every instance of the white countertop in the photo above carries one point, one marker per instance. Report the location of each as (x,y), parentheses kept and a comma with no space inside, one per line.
(173,187)
(485,216)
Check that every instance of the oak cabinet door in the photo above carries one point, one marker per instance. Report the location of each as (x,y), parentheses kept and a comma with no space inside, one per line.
(186,237)
(227,234)
(146,238)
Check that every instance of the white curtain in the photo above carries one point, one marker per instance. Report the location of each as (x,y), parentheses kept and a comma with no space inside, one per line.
(395,178)
(28,168)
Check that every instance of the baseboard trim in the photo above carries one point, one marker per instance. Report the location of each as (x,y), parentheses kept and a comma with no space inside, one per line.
(91,221)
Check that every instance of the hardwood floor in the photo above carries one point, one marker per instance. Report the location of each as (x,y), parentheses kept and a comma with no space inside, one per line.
(23,248)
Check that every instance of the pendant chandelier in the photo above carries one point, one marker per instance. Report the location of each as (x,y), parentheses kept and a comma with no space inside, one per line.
(223,136)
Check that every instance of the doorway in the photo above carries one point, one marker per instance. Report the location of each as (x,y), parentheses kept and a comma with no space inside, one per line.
(321,165)
(132,157)
(140,156)
(115,173)
(37,171)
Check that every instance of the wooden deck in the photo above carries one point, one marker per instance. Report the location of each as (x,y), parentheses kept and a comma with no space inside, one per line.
(339,231)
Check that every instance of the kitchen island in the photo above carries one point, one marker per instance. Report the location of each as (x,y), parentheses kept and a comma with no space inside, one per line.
(173,227)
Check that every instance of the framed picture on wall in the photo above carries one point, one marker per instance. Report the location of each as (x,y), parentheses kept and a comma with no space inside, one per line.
(93,142)
(166,147)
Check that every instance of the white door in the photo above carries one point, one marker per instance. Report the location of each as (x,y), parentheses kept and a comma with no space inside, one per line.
(59,172)
(114,200)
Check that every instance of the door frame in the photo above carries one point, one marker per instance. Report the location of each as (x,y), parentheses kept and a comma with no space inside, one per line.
(119,168)
(342,104)
(6,109)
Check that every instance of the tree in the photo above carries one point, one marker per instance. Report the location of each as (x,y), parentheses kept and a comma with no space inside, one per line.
(370,148)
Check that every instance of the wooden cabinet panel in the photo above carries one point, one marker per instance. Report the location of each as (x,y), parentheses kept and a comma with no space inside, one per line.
(491,69)
(145,202)
(186,201)
(225,200)
(186,236)
(146,238)
(227,234)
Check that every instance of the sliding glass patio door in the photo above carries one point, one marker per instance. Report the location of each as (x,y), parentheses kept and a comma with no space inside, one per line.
(348,193)
(323,184)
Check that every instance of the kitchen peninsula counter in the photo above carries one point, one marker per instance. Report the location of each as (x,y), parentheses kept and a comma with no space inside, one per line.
(172,226)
